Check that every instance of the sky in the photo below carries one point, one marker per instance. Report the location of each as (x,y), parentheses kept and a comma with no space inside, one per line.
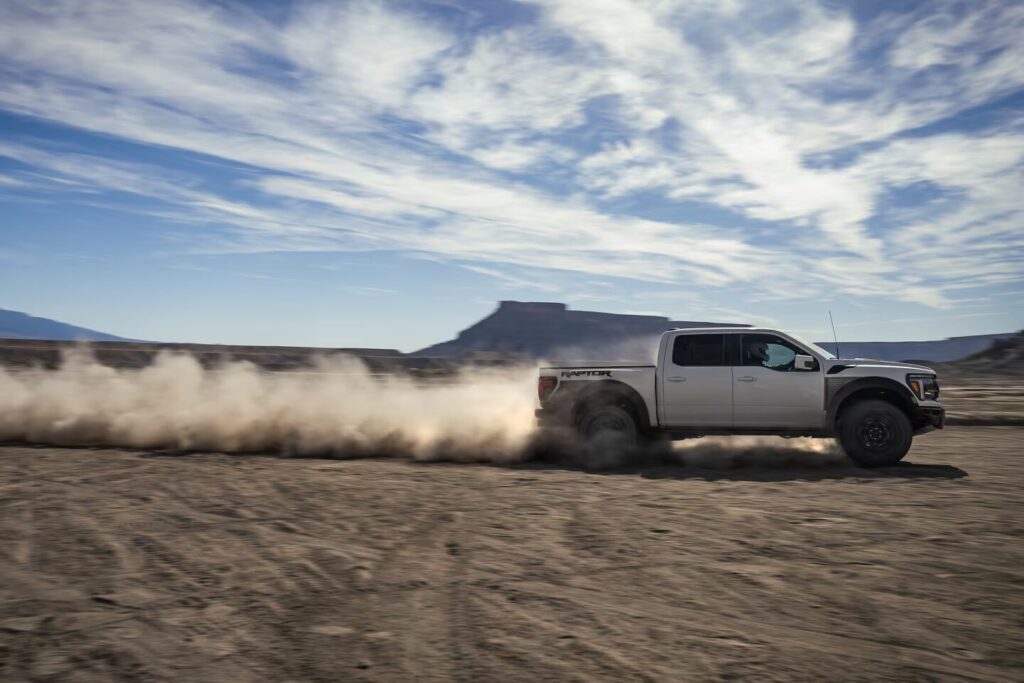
(380,174)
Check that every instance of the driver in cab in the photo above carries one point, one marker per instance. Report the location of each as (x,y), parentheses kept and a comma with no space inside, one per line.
(756,352)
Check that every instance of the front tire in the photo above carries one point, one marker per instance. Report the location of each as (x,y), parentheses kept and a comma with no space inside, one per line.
(875,433)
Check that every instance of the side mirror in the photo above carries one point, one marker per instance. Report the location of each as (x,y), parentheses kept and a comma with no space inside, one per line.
(805,363)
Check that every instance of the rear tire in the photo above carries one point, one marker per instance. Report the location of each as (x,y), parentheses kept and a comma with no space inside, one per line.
(610,434)
(608,418)
(875,433)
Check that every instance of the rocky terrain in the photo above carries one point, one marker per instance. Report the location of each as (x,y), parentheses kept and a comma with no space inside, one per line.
(986,387)
(753,559)
(1004,357)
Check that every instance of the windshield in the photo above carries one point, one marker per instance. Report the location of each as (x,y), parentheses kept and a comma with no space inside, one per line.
(813,347)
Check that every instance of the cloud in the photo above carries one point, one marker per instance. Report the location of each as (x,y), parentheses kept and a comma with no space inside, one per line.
(789,140)
(361,50)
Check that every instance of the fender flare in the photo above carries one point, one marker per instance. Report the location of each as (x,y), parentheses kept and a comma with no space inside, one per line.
(611,388)
(837,400)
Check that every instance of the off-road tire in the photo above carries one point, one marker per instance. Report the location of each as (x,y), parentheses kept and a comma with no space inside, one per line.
(610,436)
(608,417)
(874,433)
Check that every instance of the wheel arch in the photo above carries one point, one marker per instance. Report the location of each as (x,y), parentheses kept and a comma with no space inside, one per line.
(879,388)
(611,392)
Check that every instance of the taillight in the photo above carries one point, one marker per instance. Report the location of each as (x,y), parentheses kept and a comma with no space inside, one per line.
(545,385)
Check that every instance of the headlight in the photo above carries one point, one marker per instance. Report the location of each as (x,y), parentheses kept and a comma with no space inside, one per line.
(925,387)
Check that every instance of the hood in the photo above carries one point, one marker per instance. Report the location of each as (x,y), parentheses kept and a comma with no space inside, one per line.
(869,362)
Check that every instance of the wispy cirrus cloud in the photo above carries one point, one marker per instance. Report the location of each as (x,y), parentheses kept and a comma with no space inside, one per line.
(783,144)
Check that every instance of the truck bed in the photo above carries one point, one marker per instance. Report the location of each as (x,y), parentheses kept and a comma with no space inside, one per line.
(576,377)
(591,365)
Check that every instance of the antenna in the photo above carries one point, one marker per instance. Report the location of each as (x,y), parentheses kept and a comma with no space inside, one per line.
(834,337)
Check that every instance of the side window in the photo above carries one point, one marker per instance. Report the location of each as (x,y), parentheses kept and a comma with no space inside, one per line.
(699,350)
(768,351)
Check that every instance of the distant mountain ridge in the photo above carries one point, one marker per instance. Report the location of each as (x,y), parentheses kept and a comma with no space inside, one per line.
(937,351)
(1003,356)
(17,325)
(551,330)
(545,330)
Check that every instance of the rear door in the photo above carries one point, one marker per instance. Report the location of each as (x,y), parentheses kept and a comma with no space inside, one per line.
(769,392)
(697,382)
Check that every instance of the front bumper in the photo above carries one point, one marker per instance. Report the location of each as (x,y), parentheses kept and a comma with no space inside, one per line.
(929,418)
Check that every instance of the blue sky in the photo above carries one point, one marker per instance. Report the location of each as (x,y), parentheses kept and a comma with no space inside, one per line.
(381,173)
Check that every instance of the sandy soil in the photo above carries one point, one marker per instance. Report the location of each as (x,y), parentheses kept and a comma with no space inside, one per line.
(981,400)
(128,565)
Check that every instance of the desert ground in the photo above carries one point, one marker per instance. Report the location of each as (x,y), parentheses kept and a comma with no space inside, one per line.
(750,561)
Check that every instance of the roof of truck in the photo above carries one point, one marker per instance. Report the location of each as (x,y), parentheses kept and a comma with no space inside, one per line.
(744,328)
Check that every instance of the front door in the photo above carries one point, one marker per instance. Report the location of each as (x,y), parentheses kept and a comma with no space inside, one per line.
(769,392)
(697,382)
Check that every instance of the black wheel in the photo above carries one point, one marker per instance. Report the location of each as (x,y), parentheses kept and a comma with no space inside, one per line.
(610,436)
(608,420)
(875,433)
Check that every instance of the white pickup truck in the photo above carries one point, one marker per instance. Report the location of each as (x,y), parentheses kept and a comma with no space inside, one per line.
(746,380)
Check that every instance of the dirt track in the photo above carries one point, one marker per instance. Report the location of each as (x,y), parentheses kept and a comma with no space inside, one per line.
(125,565)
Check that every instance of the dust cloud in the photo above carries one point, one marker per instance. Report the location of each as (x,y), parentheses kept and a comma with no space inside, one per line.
(337,408)
(642,349)
(709,452)
(731,452)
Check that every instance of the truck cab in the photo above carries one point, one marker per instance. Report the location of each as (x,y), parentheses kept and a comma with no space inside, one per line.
(747,380)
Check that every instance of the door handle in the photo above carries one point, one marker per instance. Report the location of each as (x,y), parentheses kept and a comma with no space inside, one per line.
(676,379)
(748,378)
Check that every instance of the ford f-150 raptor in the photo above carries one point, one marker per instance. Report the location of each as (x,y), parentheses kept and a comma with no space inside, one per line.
(747,381)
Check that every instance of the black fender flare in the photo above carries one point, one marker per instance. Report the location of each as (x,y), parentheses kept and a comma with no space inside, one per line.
(611,388)
(839,398)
